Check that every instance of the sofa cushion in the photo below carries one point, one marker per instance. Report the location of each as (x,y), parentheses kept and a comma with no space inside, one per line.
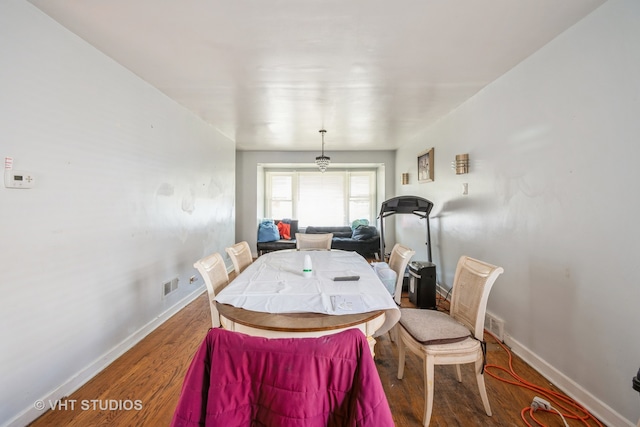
(364,232)
(337,231)
(278,245)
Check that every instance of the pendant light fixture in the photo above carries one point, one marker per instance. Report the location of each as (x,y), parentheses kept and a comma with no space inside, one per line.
(323,161)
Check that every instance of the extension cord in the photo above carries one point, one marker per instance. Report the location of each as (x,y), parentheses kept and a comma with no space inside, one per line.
(540,403)
(575,410)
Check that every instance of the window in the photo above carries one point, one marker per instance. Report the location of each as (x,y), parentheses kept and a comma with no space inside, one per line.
(281,196)
(321,199)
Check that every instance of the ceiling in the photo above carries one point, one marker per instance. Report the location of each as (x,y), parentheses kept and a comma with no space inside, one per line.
(269,74)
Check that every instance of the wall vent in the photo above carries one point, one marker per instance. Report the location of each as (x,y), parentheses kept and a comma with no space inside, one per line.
(495,325)
(169,286)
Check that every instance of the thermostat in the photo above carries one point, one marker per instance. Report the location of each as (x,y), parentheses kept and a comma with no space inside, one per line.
(18,179)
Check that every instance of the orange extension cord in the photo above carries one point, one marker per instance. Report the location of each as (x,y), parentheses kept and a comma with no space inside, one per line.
(560,402)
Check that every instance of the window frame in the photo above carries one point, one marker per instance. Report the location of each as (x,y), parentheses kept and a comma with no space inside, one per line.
(348,173)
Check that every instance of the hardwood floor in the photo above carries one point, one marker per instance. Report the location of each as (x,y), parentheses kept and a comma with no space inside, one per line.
(152,373)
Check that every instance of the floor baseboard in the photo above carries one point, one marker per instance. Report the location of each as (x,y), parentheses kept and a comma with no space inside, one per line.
(29,414)
(598,408)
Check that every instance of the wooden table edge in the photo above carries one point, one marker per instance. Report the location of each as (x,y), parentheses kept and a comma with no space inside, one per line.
(240,315)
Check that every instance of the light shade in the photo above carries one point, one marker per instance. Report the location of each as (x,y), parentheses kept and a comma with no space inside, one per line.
(462,164)
(323,161)
(405,178)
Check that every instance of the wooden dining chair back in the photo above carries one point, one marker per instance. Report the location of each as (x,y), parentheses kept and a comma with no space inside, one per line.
(451,339)
(400,257)
(305,242)
(240,255)
(214,272)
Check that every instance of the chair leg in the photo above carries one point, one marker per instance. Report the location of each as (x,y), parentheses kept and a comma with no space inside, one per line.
(481,386)
(458,374)
(401,355)
(428,390)
(393,333)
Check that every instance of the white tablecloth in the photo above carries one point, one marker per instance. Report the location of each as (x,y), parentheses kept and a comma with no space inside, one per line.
(273,283)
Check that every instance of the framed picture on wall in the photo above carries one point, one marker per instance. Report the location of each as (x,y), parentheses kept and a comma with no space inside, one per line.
(425,166)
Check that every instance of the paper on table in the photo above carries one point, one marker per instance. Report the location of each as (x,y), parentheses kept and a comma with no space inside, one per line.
(284,290)
(348,304)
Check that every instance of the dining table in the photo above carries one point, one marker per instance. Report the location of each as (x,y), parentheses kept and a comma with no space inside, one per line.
(274,298)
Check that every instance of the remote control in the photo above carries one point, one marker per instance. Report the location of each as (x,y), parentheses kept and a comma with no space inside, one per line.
(346,278)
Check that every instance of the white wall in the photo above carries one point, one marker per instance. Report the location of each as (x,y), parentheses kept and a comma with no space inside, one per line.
(131,190)
(250,185)
(555,148)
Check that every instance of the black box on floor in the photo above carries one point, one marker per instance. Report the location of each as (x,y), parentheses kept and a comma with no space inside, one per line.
(422,284)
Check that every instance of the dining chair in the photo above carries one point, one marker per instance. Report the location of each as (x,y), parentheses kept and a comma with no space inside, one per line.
(240,255)
(398,260)
(313,241)
(455,338)
(214,272)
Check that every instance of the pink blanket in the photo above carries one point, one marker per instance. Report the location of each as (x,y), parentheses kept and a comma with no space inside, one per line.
(240,380)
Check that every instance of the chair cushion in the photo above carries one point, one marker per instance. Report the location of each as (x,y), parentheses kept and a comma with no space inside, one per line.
(387,276)
(432,327)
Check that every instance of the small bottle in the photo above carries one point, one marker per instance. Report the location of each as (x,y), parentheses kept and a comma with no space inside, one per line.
(307,269)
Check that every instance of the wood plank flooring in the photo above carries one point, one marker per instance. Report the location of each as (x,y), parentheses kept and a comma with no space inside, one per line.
(152,373)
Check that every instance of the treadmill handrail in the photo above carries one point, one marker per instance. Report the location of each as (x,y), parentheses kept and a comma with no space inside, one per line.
(415,205)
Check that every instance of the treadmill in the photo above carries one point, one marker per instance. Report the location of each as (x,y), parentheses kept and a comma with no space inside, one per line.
(406,205)
(422,275)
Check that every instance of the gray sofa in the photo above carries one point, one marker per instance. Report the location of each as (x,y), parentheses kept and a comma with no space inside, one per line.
(278,245)
(365,239)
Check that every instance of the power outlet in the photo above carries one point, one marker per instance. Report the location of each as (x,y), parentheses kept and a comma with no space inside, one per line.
(495,325)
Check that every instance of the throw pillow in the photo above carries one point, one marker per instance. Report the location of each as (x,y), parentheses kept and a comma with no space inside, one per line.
(267,231)
(285,230)
(358,222)
(364,232)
